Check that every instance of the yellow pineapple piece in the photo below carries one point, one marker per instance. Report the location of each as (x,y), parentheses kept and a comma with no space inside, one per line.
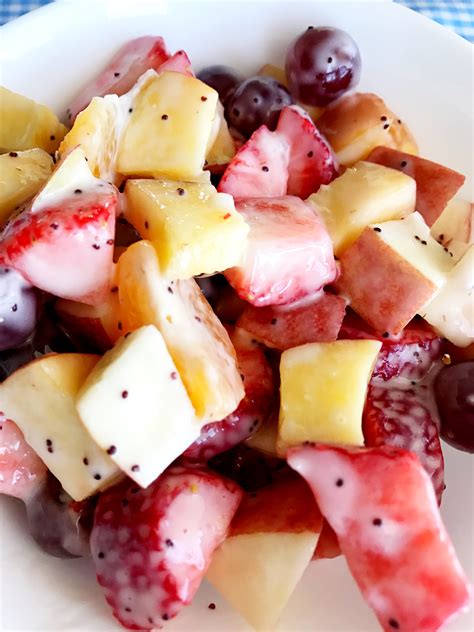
(196,339)
(222,149)
(25,124)
(323,390)
(22,174)
(194,229)
(169,129)
(363,195)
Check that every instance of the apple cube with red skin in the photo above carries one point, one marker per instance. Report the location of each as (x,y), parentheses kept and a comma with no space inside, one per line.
(288,255)
(454,228)
(436,185)
(392,271)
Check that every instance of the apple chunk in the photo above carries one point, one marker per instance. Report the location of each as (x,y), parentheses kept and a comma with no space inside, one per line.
(40,398)
(323,390)
(392,271)
(271,542)
(454,228)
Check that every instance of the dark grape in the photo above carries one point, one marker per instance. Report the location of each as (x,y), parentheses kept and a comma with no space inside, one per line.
(60,526)
(257,101)
(223,79)
(19,309)
(454,390)
(247,467)
(321,65)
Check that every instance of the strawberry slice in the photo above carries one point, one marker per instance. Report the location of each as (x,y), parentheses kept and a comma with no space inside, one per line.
(151,547)
(381,504)
(123,71)
(260,394)
(293,325)
(179,62)
(289,252)
(66,249)
(405,417)
(312,162)
(259,168)
(22,472)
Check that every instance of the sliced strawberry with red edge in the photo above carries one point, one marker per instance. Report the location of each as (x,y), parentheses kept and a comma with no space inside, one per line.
(292,325)
(122,72)
(151,547)
(179,62)
(312,161)
(380,503)
(259,168)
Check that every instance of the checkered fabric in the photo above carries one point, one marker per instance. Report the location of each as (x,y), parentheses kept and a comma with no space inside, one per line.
(457,15)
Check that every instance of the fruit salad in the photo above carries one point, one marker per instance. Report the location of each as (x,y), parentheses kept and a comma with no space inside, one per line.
(236,324)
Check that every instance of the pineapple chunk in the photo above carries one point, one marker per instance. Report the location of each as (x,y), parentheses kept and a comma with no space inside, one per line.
(169,129)
(222,148)
(22,174)
(195,229)
(365,194)
(323,390)
(25,124)
(40,398)
(196,340)
(135,406)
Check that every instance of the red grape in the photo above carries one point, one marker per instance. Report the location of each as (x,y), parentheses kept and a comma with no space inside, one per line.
(454,390)
(223,79)
(321,65)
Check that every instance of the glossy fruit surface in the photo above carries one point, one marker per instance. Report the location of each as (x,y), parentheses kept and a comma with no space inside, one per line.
(223,79)
(454,390)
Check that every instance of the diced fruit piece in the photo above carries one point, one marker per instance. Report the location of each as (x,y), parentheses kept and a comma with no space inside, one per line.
(195,229)
(138,380)
(259,168)
(22,472)
(64,243)
(223,79)
(288,254)
(169,128)
(357,123)
(405,417)
(27,124)
(323,390)
(328,544)
(196,340)
(410,268)
(41,398)
(436,185)
(60,526)
(294,325)
(152,547)
(123,71)
(454,228)
(270,544)
(179,62)
(454,390)
(451,312)
(387,532)
(22,174)
(265,440)
(247,467)
(19,309)
(260,391)
(363,195)
(311,161)
(223,149)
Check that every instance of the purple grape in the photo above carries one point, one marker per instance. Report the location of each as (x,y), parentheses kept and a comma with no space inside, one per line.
(321,65)
(257,101)
(19,309)
(454,391)
(223,79)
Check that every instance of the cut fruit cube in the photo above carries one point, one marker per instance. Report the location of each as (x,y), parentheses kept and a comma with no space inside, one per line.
(135,406)
(454,228)
(323,391)
(436,185)
(222,149)
(195,229)
(169,128)
(22,174)
(265,440)
(363,195)
(40,398)
(451,312)
(27,124)
(288,254)
(196,340)
(271,542)
(410,269)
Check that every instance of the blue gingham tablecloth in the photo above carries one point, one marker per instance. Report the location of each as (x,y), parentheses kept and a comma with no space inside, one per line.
(457,15)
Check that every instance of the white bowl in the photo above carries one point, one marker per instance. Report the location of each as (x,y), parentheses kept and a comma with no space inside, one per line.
(424,73)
